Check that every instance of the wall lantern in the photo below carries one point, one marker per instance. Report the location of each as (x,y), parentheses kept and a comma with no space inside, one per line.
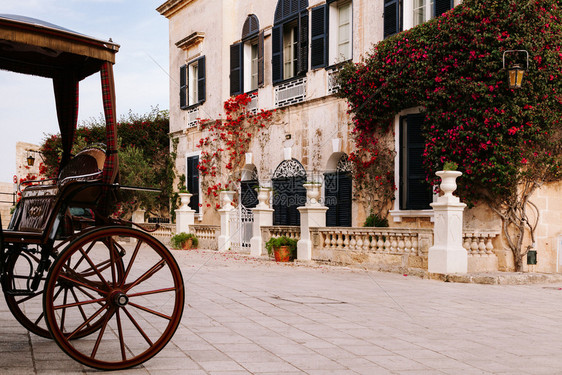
(516,71)
(30,160)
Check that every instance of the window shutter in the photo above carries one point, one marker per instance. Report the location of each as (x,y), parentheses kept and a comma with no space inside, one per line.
(236,69)
(192,181)
(302,59)
(201,80)
(319,37)
(277,54)
(344,200)
(280,207)
(183,86)
(418,191)
(331,199)
(392,17)
(261,59)
(442,6)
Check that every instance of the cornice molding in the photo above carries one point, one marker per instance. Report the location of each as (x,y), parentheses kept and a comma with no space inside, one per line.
(190,40)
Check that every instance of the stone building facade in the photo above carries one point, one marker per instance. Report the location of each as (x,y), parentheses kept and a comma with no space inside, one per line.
(285,53)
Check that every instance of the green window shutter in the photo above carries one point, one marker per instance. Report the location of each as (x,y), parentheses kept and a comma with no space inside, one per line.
(319,37)
(261,65)
(277,54)
(236,69)
(416,193)
(192,181)
(201,94)
(183,86)
(392,17)
(302,57)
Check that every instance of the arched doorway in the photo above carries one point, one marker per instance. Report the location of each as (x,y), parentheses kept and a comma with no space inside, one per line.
(338,194)
(288,192)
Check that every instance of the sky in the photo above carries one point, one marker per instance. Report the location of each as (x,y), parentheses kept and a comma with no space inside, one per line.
(27,103)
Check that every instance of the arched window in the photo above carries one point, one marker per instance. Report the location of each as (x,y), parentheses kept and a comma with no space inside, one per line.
(246,59)
(288,192)
(290,39)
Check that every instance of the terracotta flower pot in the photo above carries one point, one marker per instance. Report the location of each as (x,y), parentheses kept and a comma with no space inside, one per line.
(187,245)
(282,254)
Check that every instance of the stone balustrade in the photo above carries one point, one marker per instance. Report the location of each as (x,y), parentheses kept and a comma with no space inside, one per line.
(480,244)
(207,235)
(163,232)
(373,240)
(280,230)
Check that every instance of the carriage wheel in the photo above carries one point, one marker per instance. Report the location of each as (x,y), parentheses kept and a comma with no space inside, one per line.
(130,280)
(27,309)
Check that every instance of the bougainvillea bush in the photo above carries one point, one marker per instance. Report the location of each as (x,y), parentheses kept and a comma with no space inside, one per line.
(224,145)
(505,141)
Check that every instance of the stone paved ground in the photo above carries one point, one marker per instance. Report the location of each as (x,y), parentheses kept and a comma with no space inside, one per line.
(247,316)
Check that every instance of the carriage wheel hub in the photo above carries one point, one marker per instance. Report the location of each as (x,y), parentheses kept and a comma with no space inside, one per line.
(121,299)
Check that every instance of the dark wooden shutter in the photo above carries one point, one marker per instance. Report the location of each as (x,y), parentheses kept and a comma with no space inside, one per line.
(442,6)
(248,193)
(337,197)
(392,17)
(192,181)
(277,54)
(417,191)
(201,94)
(289,193)
(302,56)
(280,197)
(236,69)
(331,198)
(344,200)
(261,64)
(183,86)
(319,37)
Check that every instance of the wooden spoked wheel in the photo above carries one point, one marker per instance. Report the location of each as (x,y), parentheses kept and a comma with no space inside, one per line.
(130,280)
(26,308)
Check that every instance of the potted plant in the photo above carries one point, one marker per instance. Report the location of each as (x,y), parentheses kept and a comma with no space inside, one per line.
(184,241)
(283,249)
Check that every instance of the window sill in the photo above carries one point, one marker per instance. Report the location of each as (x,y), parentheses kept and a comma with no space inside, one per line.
(192,106)
(397,215)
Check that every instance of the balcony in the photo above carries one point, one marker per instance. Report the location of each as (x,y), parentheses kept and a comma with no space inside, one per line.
(291,92)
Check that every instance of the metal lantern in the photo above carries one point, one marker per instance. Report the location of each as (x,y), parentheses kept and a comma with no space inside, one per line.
(516,71)
(30,160)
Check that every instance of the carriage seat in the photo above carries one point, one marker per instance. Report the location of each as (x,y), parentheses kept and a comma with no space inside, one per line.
(87,165)
(38,202)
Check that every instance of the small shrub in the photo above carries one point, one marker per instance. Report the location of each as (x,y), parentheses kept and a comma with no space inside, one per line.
(374,220)
(276,242)
(179,239)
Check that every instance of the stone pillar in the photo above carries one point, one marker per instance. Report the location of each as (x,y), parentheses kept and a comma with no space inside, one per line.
(313,214)
(185,216)
(138,216)
(263,217)
(226,198)
(447,255)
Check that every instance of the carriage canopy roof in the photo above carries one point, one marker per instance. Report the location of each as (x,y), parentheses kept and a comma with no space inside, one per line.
(36,47)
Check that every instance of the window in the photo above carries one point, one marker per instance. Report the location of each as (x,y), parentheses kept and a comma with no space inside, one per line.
(402,14)
(343,35)
(192,181)
(290,40)
(290,50)
(192,83)
(331,33)
(414,191)
(422,11)
(247,59)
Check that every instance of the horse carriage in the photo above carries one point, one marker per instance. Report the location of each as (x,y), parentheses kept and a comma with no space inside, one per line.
(110,295)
